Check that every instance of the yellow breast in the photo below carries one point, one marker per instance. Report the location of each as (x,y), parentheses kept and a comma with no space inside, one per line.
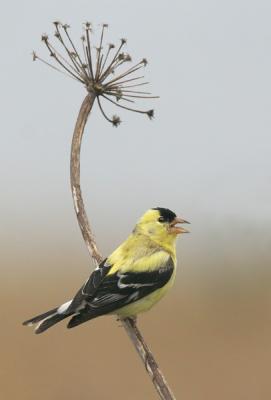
(144,304)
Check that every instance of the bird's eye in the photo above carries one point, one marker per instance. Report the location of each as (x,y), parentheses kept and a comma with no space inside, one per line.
(161,219)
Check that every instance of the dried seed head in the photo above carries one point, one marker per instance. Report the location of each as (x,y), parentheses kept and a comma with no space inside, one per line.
(144,61)
(98,68)
(116,121)
(150,114)
(128,58)
(121,56)
(119,94)
(34,56)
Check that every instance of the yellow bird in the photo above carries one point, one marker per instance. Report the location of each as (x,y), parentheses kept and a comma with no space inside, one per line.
(131,280)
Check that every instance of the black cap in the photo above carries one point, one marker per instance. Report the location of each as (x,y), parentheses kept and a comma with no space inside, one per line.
(166,214)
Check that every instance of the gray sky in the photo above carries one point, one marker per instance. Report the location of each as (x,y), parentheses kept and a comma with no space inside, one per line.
(206,155)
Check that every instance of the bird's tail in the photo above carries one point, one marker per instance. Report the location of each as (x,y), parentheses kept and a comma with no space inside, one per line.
(50,318)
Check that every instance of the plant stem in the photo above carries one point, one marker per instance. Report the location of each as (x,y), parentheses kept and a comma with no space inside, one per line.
(75,178)
(128,323)
(146,356)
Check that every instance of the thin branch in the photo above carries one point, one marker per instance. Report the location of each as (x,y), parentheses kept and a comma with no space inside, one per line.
(146,356)
(52,54)
(98,84)
(77,55)
(126,108)
(129,324)
(102,111)
(75,178)
(36,57)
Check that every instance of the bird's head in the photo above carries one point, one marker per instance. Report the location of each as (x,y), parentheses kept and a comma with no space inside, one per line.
(161,225)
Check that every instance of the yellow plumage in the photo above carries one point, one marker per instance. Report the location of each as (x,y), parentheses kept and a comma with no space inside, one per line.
(146,249)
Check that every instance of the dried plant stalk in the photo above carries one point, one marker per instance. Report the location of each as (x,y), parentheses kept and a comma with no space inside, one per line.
(151,365)
(75,178)
(129,324)
(98,75)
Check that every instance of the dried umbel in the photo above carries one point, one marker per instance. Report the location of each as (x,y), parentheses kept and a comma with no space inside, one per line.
(101,70)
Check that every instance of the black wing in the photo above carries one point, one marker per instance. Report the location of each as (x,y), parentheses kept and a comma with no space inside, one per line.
(89,289)
(117,290)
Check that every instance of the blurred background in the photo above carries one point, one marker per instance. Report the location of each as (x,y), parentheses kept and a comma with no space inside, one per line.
(206,155)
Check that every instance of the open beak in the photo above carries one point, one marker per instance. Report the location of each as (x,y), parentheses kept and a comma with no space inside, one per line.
(173,228)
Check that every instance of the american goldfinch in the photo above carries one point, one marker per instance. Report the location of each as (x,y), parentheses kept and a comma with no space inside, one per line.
(131,280)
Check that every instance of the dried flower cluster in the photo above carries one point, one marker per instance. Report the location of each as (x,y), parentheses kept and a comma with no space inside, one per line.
(96,67)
